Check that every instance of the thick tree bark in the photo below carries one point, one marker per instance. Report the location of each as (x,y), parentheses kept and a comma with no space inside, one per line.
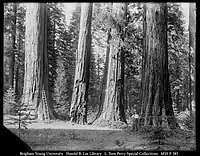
(121,62)
(105,75)
(12,57)
(78,110)
(192,45)
(113,107)
(143,77)
(157,97)
(36,62)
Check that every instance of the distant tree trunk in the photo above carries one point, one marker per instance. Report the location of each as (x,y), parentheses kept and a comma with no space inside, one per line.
(185,99)
(17,82)
(36,62)
(18,67)
(50,89)
(130,105)
(98,68)
(113,107)
(178,101)
(178,73)
(78,111)
(126,98)
(98,78)
(143,77)
(12,57)
(192,45)
(21,65)
(157,98)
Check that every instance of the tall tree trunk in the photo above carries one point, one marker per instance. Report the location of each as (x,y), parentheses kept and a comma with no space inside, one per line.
(178,73)
(178,106)
(126,98)
(98,68)
(12,57)
(105,74)
(17,82)
(113,109)
(192,45)
(19,66)
(158,96)
(17,92)
(185,99)
(121,62)
(36,62)
(143,90)
(78,110)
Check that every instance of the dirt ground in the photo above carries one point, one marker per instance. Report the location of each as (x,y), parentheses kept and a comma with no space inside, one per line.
(59,135)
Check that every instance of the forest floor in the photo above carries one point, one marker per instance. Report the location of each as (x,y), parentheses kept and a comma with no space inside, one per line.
(62,135)
(59,135)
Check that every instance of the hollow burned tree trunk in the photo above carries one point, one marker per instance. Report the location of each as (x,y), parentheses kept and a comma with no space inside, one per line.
(157,97)
(36,62)
(78,111)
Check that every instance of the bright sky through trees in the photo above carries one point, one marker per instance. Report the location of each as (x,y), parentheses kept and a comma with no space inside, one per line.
(69,7)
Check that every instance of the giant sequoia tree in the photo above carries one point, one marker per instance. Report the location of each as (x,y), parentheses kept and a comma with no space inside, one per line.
(157,101)
(78,111)
(113,106)
(36,62)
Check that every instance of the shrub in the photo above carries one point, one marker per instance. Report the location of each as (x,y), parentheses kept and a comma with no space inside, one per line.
(190,122)
(9,102)
(155,137)
(21,118)
(160,138)
(63,112)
